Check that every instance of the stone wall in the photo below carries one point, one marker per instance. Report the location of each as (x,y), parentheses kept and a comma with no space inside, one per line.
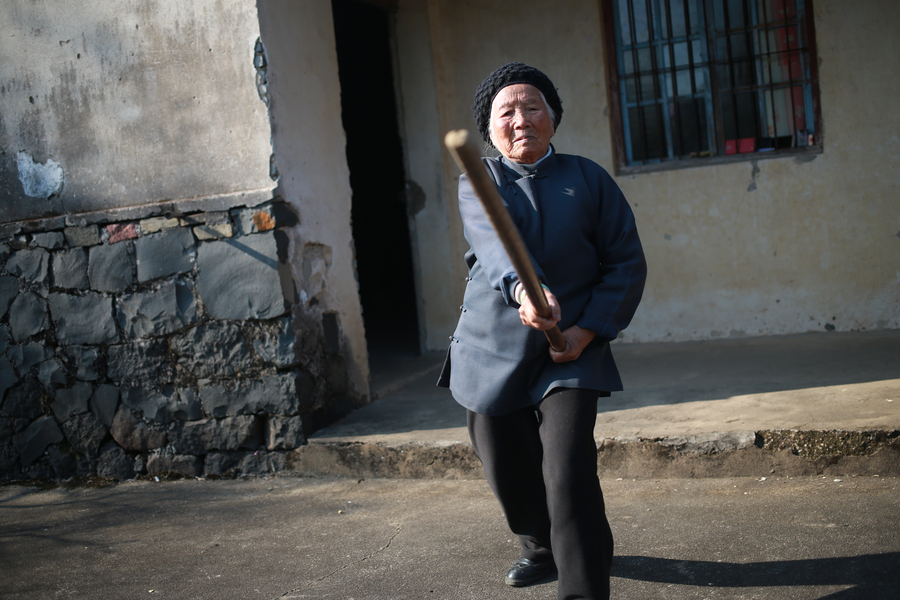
(148,342)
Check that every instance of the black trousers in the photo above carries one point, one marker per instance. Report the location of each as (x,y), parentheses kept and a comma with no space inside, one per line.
(541,463)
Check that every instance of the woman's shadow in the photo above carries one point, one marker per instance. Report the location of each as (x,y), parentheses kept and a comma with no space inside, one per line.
(873,576)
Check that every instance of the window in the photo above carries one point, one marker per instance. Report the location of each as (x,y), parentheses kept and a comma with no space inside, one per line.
(698,82)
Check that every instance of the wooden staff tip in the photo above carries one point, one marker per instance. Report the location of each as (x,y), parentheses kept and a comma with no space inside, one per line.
(456,138)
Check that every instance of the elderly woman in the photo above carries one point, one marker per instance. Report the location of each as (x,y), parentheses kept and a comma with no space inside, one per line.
(531,410)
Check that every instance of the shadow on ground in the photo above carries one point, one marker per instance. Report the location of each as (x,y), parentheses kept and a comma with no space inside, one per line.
(870,575)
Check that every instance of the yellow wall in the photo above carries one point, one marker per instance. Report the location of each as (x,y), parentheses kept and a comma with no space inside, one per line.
(808,244)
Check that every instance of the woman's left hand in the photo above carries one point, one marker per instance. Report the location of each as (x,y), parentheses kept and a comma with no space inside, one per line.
(577,338)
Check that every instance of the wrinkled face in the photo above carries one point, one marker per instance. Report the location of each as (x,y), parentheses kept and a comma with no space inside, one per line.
(521,126)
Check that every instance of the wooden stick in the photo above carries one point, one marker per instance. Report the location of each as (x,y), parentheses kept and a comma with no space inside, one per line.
(468,158)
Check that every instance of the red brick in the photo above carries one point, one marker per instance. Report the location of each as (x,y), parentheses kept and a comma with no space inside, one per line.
(121,231)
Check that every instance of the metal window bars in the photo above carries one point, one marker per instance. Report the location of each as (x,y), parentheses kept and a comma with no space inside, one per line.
(696,76)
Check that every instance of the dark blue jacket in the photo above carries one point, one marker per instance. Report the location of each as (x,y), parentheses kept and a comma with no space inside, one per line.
(584,245)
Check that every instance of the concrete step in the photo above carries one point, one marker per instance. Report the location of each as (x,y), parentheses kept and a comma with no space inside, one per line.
(806,404)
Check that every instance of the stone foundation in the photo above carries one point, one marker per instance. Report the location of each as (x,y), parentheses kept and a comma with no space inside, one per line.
(159,343)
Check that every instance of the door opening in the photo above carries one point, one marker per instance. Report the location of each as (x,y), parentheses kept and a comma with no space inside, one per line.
(375,157)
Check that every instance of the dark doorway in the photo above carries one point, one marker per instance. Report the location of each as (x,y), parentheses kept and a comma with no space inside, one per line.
(375,157)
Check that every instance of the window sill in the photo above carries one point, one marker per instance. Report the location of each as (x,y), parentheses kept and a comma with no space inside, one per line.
(804,154)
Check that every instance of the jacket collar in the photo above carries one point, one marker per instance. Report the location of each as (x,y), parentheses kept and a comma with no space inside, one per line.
(543,167)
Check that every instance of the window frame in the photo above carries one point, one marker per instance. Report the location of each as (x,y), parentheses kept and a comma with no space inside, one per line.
(617,121)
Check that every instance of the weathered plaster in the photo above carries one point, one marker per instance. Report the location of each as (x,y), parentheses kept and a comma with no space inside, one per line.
(305,100)
(39,180)
(138,101)
(785,246)
(440,277)
(752,248)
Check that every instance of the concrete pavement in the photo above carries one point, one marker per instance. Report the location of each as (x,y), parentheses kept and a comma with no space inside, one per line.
(808,422)
(394,539)
(820,403)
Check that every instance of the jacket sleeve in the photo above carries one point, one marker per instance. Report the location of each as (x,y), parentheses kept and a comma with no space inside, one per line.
(486,247)
(623,267)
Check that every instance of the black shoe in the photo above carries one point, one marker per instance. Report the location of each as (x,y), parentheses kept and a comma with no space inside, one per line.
(526,571)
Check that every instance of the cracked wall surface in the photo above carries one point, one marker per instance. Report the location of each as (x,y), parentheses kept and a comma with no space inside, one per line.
(127,99)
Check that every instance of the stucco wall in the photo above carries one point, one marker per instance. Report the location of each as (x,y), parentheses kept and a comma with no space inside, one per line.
(433,220)
(310,145)
(134,101)
(754,248)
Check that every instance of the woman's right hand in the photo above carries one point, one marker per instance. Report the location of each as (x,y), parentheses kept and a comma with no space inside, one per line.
(528,312)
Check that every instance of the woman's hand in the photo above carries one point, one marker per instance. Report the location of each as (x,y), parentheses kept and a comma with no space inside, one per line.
(528,312)
(577,338)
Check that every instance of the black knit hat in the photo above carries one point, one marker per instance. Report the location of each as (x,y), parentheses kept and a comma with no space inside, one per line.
(510,74)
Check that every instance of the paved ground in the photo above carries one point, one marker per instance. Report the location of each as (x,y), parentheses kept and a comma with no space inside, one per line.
(393,539)
(694,410)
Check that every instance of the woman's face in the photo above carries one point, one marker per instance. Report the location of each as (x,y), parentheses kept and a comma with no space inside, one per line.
(521,126)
